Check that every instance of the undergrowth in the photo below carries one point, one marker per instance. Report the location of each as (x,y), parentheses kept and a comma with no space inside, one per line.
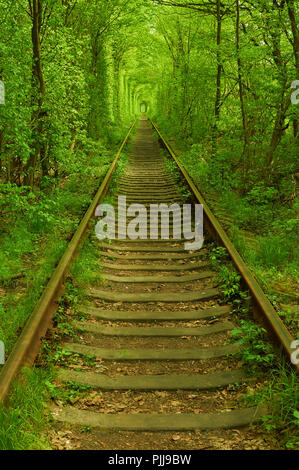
(264,207)
(280,393)
(280,389)
(35,228)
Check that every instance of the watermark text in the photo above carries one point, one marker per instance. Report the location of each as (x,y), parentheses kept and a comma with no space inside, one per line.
(136,221)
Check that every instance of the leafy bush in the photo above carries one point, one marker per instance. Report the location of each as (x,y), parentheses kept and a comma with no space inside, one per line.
(255,350)
(230,281)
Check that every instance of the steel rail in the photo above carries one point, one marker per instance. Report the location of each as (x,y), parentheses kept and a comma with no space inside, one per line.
(261,304)
(28,343)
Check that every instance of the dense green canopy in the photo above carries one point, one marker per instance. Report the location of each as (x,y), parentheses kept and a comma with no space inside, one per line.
(213,72)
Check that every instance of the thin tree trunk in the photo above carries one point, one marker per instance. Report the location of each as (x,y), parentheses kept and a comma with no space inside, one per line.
(295,32)
(218,80)
(38,93)
(240,79)
(283,101)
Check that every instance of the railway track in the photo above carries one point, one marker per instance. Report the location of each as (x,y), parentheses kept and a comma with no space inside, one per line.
(155,324)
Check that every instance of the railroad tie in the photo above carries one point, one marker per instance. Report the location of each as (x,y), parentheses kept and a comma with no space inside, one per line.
(155,323)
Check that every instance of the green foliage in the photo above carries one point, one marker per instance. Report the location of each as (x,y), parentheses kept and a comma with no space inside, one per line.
(63,326)
(227,275)
(84,104)
(230,282)
(83,270)
(256,352)
(291,319)
(14,314)
(34,232)
(58,355)
(86,429)
(218,255)
(248,159)
(69,393)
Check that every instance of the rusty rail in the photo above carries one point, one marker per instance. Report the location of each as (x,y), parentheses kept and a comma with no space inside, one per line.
(28,343)
(261,304)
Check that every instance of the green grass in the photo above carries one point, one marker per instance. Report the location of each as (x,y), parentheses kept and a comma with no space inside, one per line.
(16,305)
(274,251)
(280,394)
(86,269)
(23,422)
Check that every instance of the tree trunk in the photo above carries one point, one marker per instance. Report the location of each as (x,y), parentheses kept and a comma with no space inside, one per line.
(295,32)
(38,93)
(283,101)
(240,79)
(218,80)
